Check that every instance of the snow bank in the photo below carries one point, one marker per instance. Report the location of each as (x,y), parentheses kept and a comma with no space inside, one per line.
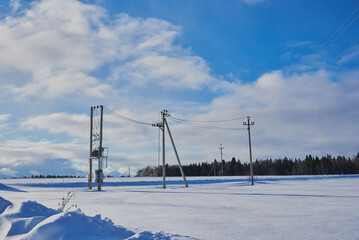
(31,220)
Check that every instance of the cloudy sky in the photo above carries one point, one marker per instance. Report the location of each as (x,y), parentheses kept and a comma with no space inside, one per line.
(290,65)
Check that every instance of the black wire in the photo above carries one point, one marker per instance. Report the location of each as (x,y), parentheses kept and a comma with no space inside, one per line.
(95,121)
(186,122)
(342,53)
(115,114)
(224,120)
(206,126)
(325,44)
(95,139)
(98,118)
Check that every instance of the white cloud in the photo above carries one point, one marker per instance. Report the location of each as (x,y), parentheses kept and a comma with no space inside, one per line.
(3,120)
(51,35)
(167,72)
(304,109)
(294,114)
(119,135)
(4,117)
(55,50)
(24,156)
(347,57)
(15,5)
(297,44)
(55,42)
(76,125)
(16,152)
(34,172)
(7,172)
(59,43)
(302,118)
(299,114)
(61,83)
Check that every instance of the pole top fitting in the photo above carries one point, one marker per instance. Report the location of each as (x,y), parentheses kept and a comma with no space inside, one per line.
(165,113)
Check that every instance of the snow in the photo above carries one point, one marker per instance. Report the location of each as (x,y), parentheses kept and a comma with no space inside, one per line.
(31,220)
(288,207)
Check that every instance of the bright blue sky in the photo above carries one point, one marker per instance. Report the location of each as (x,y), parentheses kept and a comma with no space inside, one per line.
(203,60)
(248,39)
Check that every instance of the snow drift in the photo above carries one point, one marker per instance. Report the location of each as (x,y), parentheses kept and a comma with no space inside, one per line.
(31,220)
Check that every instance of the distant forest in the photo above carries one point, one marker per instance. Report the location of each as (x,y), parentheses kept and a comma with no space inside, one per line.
(309,166)
(54,176)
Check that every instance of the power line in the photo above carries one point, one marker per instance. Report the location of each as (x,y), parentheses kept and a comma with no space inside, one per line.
(204,126)
(178,120)
(206,121)
(338,29)
(342,32)
(325,46)
(117,115)
(342,53)
(95,122)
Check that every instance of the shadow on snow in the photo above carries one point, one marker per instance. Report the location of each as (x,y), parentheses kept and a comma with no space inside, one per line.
(11,189)
(158,181)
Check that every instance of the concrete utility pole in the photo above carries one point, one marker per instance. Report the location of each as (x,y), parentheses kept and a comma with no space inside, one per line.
(221,148)
(159,148)
(100,150)
(175,150)
(163,115)
(249,124)
(90,159)
(163,125)
(214,165)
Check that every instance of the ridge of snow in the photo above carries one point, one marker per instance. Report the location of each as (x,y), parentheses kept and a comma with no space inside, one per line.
(31,220)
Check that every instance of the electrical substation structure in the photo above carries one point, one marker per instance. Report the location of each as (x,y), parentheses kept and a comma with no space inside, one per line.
(97,151)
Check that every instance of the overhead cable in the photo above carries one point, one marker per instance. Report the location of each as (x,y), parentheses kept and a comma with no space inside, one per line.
(117,115)
(342,32)
(204,126)
(322,48)
(192,123)
(342,53)
(207,121)
(339,29)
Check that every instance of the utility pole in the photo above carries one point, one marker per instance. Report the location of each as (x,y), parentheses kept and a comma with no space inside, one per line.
(96,149)
(221,148)
(159,148)
(100,150)
(163,115)
(90,158)
(163,125)
(175,150)
(249,124)
(214,164)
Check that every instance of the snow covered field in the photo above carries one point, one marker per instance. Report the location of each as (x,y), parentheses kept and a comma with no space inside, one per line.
(295,207)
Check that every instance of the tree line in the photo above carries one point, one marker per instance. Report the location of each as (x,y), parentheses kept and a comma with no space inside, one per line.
(54,176)
(286,166)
